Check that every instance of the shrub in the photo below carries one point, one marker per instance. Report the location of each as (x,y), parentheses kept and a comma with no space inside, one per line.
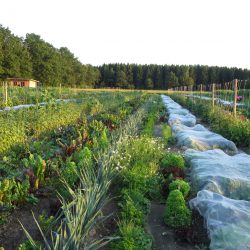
(172,160)
(181,185)
(177,214)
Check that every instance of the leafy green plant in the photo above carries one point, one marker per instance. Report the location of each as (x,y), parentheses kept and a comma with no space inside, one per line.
(172,160)
(45,221)
(26,245)
(181,185)
(130,211)
(14,192)
(134,206)
(167,132)
(83,158)
(132,237)
(176,213)
(38,166)
(69,172)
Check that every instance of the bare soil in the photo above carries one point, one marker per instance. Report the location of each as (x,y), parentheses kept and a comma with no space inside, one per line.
(11,232)
(167,238)
(163,237)
(109,226)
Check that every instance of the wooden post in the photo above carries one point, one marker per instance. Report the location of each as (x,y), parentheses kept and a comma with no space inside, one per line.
(3,91)
(200,91)
(6,93)
(60,91)
(213,89)
(235,96)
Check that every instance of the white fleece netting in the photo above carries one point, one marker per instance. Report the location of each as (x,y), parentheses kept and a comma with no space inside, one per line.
(216,174)
(228,220)
(190,136)
(200,138)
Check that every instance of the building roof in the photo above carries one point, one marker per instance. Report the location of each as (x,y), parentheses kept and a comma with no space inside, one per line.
(21,79)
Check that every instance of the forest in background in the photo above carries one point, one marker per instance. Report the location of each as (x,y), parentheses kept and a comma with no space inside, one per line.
(32,57)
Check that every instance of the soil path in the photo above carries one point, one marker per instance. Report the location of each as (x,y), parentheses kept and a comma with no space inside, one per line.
(164,237)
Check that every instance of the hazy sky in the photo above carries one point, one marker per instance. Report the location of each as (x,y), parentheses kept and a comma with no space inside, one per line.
(211,32)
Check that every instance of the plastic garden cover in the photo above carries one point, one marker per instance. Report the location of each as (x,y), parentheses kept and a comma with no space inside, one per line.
(218,172)
(200,138)
(177,114)
(188,119)
(228,221)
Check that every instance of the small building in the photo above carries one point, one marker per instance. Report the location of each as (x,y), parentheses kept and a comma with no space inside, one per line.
(21,82)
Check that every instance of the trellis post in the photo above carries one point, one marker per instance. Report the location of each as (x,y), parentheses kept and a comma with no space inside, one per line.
(235,96)
(213,89)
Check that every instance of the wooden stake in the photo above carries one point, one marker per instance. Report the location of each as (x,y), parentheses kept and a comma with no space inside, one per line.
(6,94)
(235,96)
(213,88)
(200,91)
(3,91)
(60,91)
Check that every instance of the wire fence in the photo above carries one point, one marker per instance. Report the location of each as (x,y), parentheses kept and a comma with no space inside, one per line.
(233,96)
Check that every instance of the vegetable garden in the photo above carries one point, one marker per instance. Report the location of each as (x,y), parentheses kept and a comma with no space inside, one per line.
(95,171)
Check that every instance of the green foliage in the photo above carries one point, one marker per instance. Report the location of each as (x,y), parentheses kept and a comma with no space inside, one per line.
(69,172)
(154,112)
(4,217)
(172,160)
(167,135)
(36,58)
(141,202)
(134,206)
(176,213)
(103,141)
(83,158)
(221,121)
(38,165)
(148,130)
(45,221)
(131,212)
(167,132)
(13,192)
(82,210)
(181,185)
(132,238)
(28,246)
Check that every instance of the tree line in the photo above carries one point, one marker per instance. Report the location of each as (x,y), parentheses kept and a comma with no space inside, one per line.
(32,57)
(166,76)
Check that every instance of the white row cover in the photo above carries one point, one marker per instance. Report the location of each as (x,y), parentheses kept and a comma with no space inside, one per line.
(219,100)
(190,136)
(218,172)
(228,220)
(215,173)
(22,106)
(188,119)
(200,138)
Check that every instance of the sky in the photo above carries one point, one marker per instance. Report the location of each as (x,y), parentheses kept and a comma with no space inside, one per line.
(209,32)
